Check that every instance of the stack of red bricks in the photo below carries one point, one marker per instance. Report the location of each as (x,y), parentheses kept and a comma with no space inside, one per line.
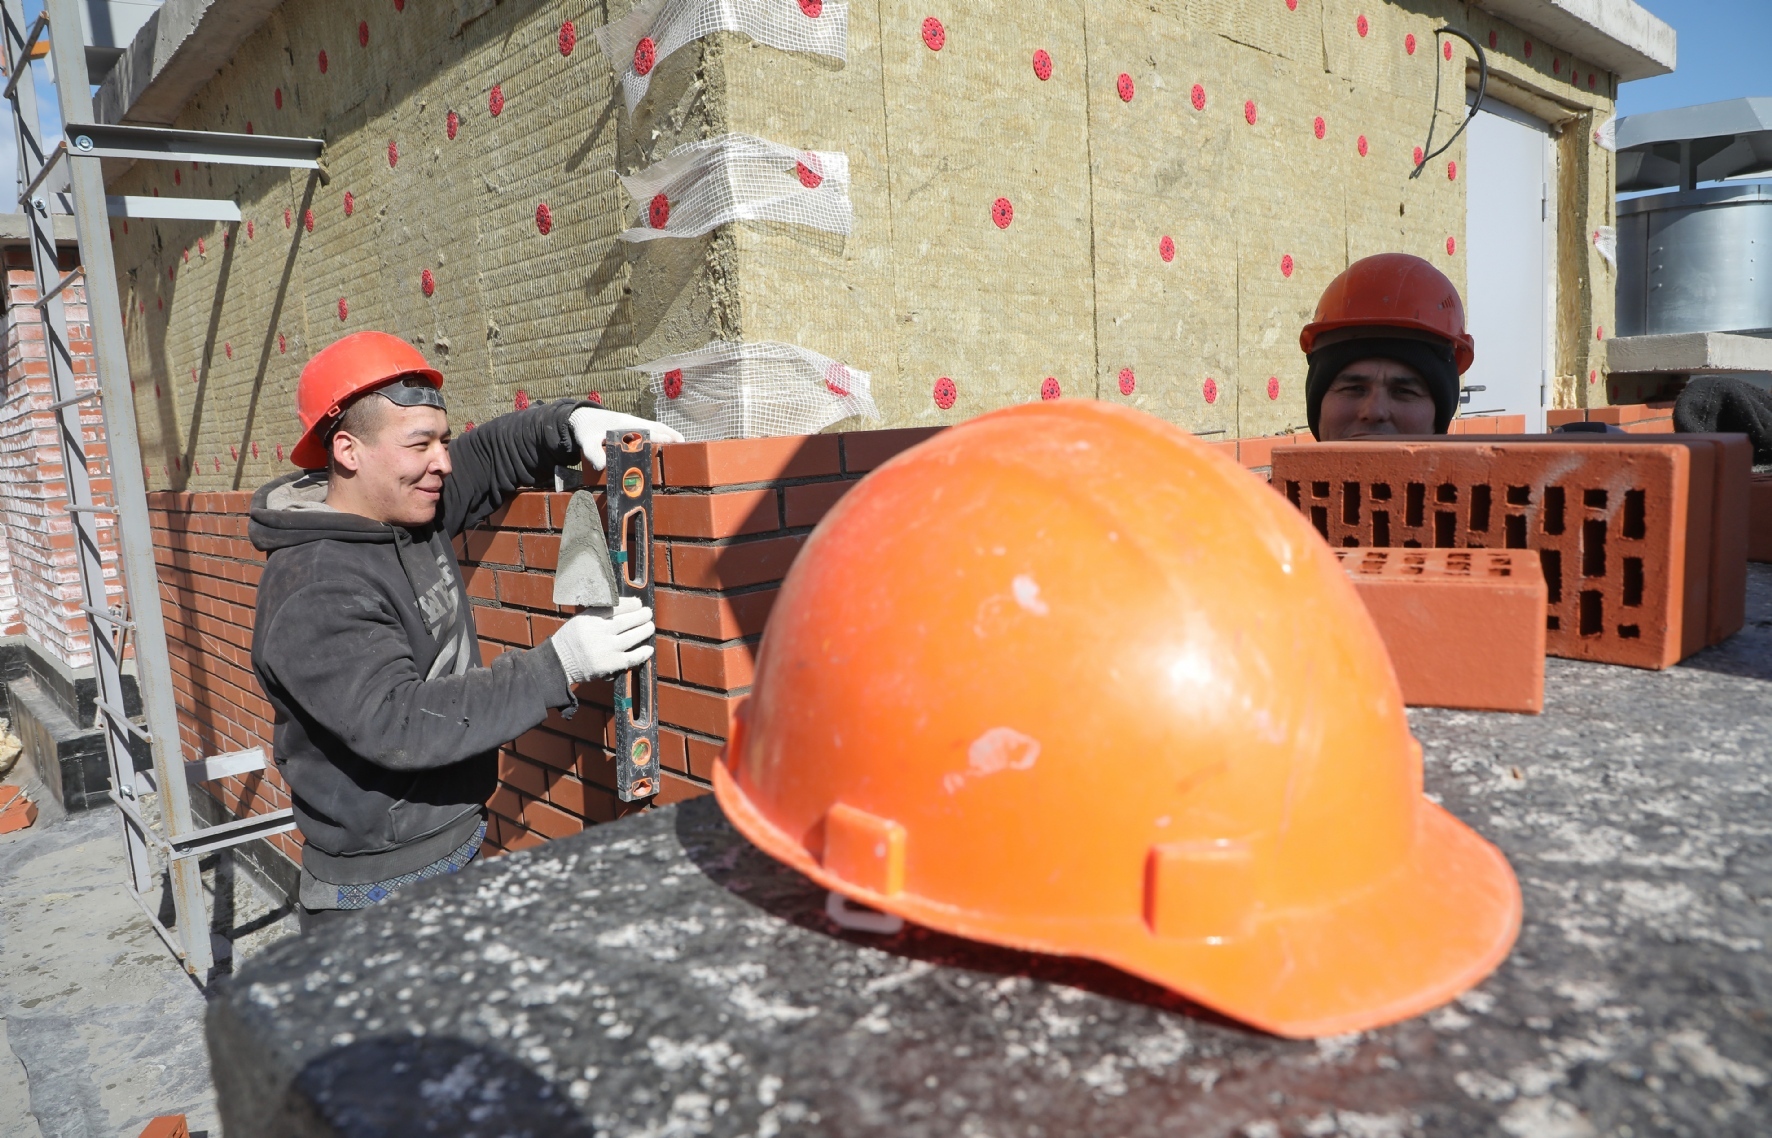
(40,588)
(1632,418)
(209,575)
(1643,542)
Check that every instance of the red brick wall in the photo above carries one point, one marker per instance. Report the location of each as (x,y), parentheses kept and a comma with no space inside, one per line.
(729,516)
(39,577)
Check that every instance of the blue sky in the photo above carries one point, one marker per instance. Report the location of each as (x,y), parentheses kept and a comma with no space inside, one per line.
(1725,52)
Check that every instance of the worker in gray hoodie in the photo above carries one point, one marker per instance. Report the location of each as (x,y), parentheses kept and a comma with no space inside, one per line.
(387,726)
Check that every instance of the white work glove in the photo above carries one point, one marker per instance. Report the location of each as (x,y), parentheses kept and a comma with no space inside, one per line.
(591,424)
(604,642)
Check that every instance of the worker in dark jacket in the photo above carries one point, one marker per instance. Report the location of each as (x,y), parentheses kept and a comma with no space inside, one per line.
(1385,351)
(387,726)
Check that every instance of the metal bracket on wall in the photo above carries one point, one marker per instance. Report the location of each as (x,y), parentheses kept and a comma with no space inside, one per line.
(628,508)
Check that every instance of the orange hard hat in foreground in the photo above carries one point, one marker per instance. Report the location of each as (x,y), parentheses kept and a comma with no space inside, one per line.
(1063,679)
(340,370)
(1393,290)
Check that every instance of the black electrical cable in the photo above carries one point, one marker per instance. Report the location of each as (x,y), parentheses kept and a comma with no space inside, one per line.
(1476,104)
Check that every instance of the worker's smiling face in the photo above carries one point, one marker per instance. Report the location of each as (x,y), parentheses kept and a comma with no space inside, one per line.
(393,472)
(1374,397)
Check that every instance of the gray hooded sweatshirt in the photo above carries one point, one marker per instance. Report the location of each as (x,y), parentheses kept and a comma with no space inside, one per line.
(387,727)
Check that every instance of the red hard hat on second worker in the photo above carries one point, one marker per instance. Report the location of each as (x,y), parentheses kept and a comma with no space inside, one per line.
(340,370)
(1393,290)
(1063,679)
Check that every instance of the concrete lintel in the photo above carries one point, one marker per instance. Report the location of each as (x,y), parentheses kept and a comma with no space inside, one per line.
(179,49)
(1619,35)
(1683,353)
(15,229)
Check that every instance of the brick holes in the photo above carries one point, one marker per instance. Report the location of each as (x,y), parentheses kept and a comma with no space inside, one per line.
(1481,502)
(1042,65)
(1553,510)
(1350,503)
(1635,510)
(935,37)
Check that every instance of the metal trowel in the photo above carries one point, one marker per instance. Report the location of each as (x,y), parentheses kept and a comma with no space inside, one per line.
(586,577)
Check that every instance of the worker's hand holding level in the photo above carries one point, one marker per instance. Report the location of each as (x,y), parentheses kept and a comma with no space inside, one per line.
(603,642)
(591,424)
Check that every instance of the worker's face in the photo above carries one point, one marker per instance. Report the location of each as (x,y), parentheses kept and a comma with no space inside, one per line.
(397,474)
(1375,397)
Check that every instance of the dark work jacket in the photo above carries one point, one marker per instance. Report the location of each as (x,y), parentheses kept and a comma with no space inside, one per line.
(387,736)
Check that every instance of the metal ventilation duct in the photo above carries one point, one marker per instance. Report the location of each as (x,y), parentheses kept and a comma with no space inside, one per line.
(1680,148)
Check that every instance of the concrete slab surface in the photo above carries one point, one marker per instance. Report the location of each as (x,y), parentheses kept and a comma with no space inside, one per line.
(100,1028)
(659,976)
(1682,353)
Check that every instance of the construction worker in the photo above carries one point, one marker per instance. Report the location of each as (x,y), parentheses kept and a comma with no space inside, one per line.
(1386,350)
(386,724)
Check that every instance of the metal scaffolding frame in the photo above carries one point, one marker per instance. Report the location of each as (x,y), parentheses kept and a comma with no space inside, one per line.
(67,178)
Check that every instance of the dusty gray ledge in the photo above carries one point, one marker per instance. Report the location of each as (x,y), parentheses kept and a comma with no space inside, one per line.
(660,977)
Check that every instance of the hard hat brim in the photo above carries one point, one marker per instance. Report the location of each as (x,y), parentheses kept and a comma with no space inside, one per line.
(1431,929)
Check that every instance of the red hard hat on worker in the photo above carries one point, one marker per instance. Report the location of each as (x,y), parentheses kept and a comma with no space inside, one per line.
(1063,679)
(341,370)
(1393,290)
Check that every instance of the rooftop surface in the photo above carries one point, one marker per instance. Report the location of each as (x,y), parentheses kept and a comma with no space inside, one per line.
(660,976)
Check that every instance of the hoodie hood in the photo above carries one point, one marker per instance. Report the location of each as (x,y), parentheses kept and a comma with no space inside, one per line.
(292,510)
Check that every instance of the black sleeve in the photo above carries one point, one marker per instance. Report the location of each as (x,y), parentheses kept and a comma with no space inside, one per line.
(341,656)
(513,452)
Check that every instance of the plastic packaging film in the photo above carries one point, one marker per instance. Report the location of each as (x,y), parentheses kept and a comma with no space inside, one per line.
(735,177)
(638,42)
(736,390)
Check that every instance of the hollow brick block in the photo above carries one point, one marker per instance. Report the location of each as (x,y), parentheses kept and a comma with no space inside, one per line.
(739,461)
(1759,523)
(1716,560)
(1610,524)
(1464,628)
(167,1126)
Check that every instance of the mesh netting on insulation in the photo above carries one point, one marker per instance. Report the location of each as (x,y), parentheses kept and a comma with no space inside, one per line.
(637,43)
(701,185)
(757,390)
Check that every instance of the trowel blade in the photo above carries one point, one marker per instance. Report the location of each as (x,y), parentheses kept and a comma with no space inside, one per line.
(585,576)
